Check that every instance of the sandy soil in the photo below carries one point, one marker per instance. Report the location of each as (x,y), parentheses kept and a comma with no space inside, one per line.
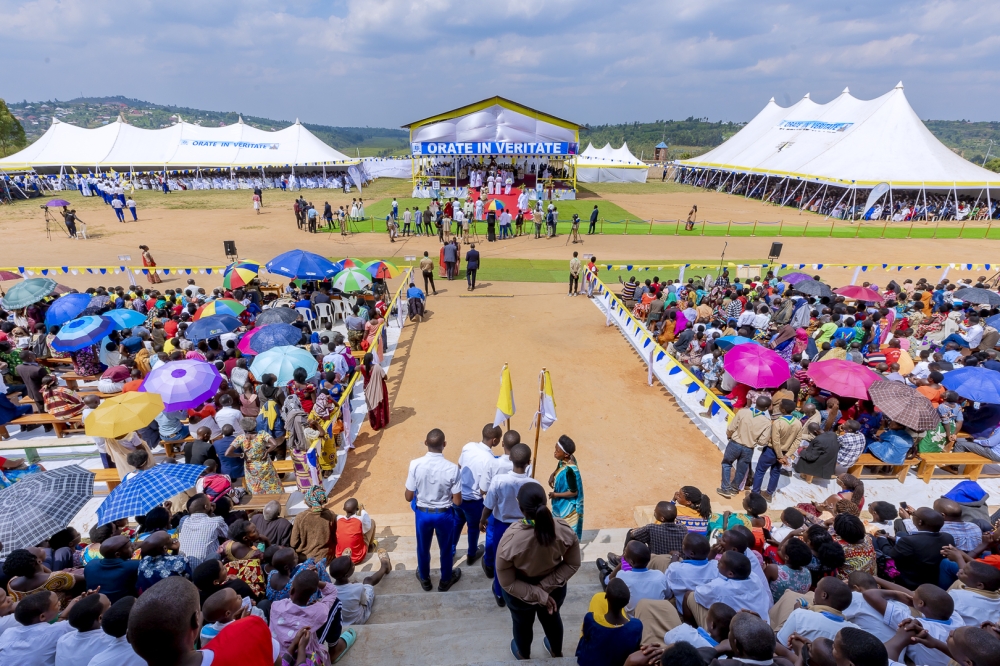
(194,237)
(628,456)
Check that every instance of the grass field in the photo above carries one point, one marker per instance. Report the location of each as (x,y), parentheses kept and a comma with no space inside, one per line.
(381,208)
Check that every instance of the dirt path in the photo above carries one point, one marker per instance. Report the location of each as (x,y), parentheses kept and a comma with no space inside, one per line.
(635,447)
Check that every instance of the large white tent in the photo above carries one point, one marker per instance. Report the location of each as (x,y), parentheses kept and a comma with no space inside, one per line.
(846,142)
(123,147)
(610,165)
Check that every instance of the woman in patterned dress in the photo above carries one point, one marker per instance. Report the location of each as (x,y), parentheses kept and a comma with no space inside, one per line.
(261,479)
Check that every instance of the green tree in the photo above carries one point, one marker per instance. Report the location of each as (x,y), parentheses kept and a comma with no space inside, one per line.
(12,136)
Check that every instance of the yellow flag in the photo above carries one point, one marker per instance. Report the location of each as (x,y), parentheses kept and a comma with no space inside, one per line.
(548,402)
(505,403)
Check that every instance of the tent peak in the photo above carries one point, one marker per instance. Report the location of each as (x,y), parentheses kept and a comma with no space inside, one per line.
(899,86)
(770,101)
(55,120)
(846,91)
(806,96)
(239,120)
(297,122)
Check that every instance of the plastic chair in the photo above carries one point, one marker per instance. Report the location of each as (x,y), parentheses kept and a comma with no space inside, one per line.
(324,313)
(307,314)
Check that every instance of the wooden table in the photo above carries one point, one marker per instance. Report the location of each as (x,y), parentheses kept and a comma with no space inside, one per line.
(275,289)
(972,464)
(258,502)
(55,363)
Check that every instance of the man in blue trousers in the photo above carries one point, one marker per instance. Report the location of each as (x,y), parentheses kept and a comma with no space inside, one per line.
(434,489)
(501,510)
(476,459)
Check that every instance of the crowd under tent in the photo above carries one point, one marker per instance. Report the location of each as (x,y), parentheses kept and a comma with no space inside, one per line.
(610,165)
(181,148)
(847,148)
(494,133)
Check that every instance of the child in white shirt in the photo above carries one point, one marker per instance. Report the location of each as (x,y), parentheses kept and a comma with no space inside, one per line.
(643,583)
(937,617)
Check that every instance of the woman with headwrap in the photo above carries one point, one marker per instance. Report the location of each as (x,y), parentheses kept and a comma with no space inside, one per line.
(376,393)
(295,437)
(783,342)
(261,478)
(567,486)
(314,532)
(328,427)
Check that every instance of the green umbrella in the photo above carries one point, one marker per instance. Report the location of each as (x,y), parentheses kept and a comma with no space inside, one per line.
(351,280)
(30,291)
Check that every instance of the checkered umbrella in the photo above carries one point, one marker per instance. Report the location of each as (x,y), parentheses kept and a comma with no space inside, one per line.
(146,490)
(904,405)
(39,505)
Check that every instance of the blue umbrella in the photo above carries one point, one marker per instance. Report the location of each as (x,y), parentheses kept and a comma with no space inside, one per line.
(147,490)
(282,363)
(275,335)
(124,318)
(994,321)
(211,327)
(728,342)
(302,264)
(80,333)
(974,383)
(66,308)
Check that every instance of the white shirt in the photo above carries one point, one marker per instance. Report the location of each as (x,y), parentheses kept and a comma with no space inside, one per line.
(34,645)
(812,625)
(685,633)
(974,607)
(229,416)
(865,617)
(643,584)
(687,575)
(8,622)
(362,515)
(974,335)
(502,496)
(207,422)
(434,480)
(746,319)
(737,594)
(79,647)
(895,613)
(475,458)
(354,603)
(116,203)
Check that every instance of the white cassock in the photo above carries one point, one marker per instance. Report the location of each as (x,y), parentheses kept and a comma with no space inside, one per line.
(489,184)
(508,183)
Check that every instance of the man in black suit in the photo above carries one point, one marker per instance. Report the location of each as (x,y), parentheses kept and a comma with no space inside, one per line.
(471,266)
(918,554)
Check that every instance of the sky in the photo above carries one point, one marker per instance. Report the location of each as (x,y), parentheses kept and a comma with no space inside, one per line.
(383,63)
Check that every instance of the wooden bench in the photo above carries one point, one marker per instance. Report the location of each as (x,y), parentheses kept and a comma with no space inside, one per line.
(55,363)
(971,463)
(60,426)
(93,390)
(258,502)
(31,446)
(108,476)
(168,447)
(283,466)
(899,472)
(72,379)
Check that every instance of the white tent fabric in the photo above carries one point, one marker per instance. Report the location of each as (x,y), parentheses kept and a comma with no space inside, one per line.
(846,142)
(388,167)
(183,145)
(610,165)
(494,123)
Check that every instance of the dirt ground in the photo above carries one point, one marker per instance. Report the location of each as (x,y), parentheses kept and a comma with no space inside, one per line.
(179,237)
(634,446)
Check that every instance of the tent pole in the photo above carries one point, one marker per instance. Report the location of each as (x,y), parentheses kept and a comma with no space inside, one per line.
(786,200)
(954,186)
(891,209)
(989,206)
(839,201)
(923,190)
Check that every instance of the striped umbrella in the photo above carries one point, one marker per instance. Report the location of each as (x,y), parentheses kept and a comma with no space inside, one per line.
(39,505)
(220,306)
(495,205)
(382,269)
(81,332)
(240,274)
(351,279)
(146,490)
(351,263)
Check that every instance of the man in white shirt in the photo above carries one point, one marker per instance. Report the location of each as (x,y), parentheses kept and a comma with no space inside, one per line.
(118,206)
(475,459)
(734,587)
(114,625)
(228,415)
(643,582)
(972,337)
(80,646)
(500,507)
(825,615)
(32,642)
(501,464)
(434,485)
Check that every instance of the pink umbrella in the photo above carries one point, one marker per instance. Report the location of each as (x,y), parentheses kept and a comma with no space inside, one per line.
(244,344)
(859,293)
(756,366)
(843,378)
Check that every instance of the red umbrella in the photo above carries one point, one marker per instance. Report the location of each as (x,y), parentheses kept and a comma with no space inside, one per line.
(857,293)
(843,378)
(756,366)
(8,275)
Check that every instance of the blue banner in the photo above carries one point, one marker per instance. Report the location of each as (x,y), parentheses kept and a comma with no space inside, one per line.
(493,148)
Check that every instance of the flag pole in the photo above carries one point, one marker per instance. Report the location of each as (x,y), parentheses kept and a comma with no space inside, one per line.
(538,421)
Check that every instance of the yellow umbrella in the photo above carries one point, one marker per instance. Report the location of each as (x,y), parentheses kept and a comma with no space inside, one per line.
(125,413)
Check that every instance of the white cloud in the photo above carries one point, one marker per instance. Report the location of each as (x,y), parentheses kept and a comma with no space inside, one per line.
(385,62)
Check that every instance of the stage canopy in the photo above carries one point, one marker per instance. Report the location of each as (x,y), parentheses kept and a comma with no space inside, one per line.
(121,146)
(610,165)
(846,142)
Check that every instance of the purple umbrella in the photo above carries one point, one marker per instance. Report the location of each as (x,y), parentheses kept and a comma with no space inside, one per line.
(757,366)
(183,384)
(794,278)
(56,203)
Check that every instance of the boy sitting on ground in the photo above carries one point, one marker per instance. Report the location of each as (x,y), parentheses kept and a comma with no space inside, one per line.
(357,599)
(934,606)
(609,635)
(355,531)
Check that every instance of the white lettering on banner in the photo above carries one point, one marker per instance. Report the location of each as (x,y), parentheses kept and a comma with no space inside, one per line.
(229,144)
(813,125)
(493,148)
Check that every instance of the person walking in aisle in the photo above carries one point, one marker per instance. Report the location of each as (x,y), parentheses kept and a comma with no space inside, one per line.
(434,489)
(117,204)
(130,204)
(536,558)
(471,266)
